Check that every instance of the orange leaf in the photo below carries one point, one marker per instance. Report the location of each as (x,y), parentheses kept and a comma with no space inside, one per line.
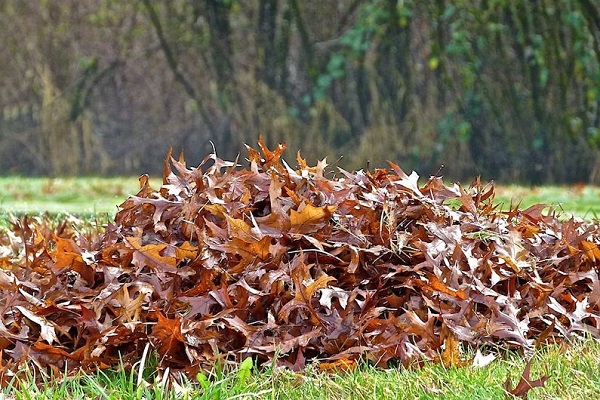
(591,250)
(310,218)
(303,292)
(150,255)
(215,209)
(306,293)
(250,252)
(260,249)
(438,286)
(186,250)
(343,364)
(450,357)
(292,195)
(68,255)
(238,228)
(271,157)
(169,340)
(509,261)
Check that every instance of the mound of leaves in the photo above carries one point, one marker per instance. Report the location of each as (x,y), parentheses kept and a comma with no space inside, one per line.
(294,266)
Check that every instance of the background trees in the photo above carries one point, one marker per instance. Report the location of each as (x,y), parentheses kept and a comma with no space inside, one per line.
(506,89)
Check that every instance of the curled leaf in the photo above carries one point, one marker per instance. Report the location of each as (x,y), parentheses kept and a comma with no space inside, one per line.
(525,383)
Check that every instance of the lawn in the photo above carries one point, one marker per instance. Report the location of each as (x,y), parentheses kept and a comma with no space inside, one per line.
(65,195)
(581,200)
(573,370)
(573,373)
(98,195)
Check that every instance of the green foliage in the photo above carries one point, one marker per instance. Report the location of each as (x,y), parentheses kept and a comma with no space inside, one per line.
(573,371)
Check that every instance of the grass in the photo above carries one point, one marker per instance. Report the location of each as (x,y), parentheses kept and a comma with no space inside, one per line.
(574,370)
(580,200)
(92,195)
(96,195)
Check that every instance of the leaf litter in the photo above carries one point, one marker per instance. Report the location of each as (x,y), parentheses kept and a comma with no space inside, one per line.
(224,262)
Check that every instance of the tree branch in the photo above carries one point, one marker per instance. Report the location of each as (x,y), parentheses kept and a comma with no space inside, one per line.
(174,65)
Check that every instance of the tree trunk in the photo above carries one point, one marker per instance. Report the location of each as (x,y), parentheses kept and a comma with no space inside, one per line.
(60,139)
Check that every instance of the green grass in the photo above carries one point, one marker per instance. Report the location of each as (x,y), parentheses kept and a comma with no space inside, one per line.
(574,373)
(66,195)
(574,370)
(580,200)
(95,195)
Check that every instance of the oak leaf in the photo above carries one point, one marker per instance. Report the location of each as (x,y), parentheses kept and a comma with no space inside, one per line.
(310,218)
(150,255)
(525,383)
(167,337)
(341,365)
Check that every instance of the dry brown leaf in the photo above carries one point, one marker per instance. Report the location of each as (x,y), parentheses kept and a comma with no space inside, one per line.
(341,365)
(451,356)
(310,218)
(150,255)
(525,383)
(223,262)
(591,250)
(167,337)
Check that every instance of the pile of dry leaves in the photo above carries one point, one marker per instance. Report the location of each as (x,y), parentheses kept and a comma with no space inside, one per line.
(222,263)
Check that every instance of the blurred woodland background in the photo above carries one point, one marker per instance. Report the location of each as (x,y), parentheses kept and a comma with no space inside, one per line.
(505,89)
